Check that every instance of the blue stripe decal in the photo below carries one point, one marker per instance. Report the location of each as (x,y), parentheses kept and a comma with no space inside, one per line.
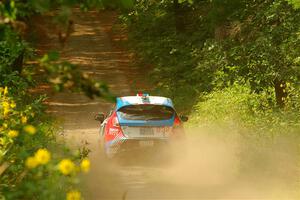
(121,103)
(125,122)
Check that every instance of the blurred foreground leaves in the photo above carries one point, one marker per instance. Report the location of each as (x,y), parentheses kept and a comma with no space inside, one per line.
(66,76)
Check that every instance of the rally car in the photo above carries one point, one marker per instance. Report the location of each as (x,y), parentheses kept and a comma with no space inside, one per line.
(139,122)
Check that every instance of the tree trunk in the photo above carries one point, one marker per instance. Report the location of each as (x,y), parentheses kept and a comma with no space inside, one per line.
(17,65)
(179,21)
(280,92)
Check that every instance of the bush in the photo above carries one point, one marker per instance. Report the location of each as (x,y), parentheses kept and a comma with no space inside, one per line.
(11,51)
(238,108)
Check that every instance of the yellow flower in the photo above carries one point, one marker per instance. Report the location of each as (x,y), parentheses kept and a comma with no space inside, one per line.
(12,104)
(1,89)
(24,119)
(5,91)
(13,133)
(31,162)
(85,165)
(30,129)
(42,156)
(5,111)
(66,166)
(5,106)
(2,141)
(73,195)
(5,125)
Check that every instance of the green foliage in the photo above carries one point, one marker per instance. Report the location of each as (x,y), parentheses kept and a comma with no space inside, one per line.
(224,42)
(10,49)
(8,10)
(295,3)
(127,4)
(188,1)
(237,108)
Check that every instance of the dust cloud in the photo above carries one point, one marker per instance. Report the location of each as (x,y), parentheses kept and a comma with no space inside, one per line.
(232,166)
(205,166)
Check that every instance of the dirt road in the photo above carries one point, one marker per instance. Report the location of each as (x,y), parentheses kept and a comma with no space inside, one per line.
(90,47)
(207,172)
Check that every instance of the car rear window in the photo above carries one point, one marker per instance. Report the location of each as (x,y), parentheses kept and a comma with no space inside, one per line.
(146,112)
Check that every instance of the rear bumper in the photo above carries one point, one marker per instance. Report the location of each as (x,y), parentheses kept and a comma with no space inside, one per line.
(127,145)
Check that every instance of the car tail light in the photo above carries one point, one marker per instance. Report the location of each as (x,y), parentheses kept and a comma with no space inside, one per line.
(140,94)
(178,131)
(177,121)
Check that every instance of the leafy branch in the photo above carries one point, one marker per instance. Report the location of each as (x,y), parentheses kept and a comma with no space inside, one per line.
(66,76)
